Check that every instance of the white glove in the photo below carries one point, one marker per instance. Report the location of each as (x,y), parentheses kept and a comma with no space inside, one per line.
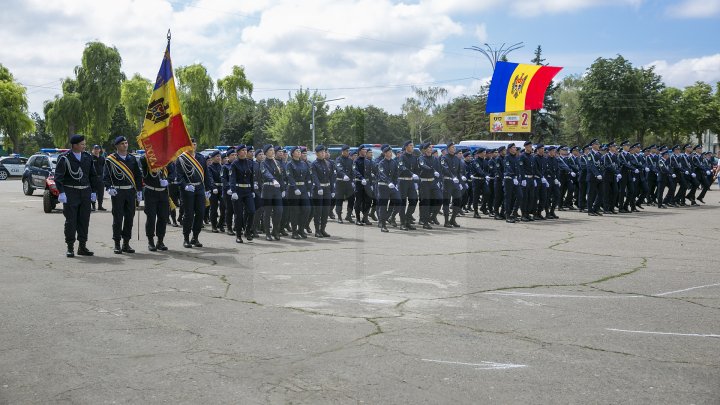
(455,180)
(93,197)
(487,178)
(235,196)
(163,183)
(309,194)
(332,195)
(139,196)
(215,191)
(415,177)
(416,187)
(687,173)
(694,175)
(557,182)
(112,192)
(391,185)
(253,194)
(320,191)
(637,171)
(62,198)
(516,182)
(255,186)
(436,174)
(599,177)
(544,181)
(346,178)
(364,182)
(275,183)
(229,192)
(618,177)
(297,192)
(674,176)
(189,188)
(524,183)
(282,194)
(463,178)
(573,174)
(534,183)
(647,169)
(207,194)
(708,172)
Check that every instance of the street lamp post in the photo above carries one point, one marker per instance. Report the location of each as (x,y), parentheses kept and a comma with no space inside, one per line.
(312,126)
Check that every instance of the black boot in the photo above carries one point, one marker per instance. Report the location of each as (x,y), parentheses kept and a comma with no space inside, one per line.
(447,223)
(383,228)
(92,206)
(186,242)
(453,222)
(195,242)
(151,244)
(160,245)
(70,249)
(325,234)
(238,238)
(126,247)
(100,208)
(83,250)
(118,249)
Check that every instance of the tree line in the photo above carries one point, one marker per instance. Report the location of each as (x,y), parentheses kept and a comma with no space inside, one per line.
(612,100)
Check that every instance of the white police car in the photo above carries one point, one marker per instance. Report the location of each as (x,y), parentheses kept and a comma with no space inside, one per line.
(12,166)
(37,169)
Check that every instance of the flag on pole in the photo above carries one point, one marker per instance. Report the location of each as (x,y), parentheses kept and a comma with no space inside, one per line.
(517,87)
(164,135)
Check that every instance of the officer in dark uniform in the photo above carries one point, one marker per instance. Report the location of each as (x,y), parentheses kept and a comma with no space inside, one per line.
(497,167)
(176,213)
(553,176)
(540,165)
(527,182)
(216,201)
(407,177)
(611,177)
(427,188)
(298,193)
(582,179)
(74,177)
(625,187)
(98,187)
(362,174)
(272,175)
(123,182)
(479,176)
(696,173)
(258,222)
(665,177)
(595,178)
(241,180)
(193,181)
(704,172)
(489,193)
(344,185)
(511,183)
(157,205)
(388,194)
(323,179)
(451,185)
(227,190)
(652,180)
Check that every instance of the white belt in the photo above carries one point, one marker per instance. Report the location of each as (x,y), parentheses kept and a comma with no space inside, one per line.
(76,187)
(343,180)
(243,185)
(427,179)
(382,184)
(269,183)
(299,183)
(405,178)
(477,177)
(124,187)
(194,184)
(324,184)
(447,178)
(155,188)
(218,184)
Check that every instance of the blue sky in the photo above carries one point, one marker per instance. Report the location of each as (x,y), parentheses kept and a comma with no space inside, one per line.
(368,51)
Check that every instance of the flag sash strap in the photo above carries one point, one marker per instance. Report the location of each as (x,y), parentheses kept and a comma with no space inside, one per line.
(123,168)
(196,164)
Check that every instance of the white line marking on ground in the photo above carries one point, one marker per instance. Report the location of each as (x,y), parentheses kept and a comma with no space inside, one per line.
(686,289)
(665,333)
(522,294)
(483,365)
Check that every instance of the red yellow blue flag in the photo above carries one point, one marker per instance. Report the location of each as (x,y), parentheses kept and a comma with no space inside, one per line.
(164,135)
(517,87)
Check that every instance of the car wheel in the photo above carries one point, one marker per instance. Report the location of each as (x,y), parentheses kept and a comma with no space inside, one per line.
(4,174)
(48,204)
(27,188)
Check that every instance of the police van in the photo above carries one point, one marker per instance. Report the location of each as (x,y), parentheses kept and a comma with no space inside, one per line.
(13,165)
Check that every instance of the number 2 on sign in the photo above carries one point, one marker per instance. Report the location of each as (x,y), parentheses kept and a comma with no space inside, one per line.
(524,119)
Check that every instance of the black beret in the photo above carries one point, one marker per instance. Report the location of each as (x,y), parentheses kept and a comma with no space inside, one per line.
(511,145)
(480,150)
(425,145)
(344,147)
(466,154)
(502,148)
(551,147)
(250,148)
(293,149)
(539,146)
(214,153)
(451,143)
(697,147)
(320,148)
(527,143)
(406,143)
(386,148)
(259,151)
(239,147)
(279,149)
(594,141)
(267,148)
(77,139)
(119,139)
(636,145)
(359,148)
(665,152)
(624,143)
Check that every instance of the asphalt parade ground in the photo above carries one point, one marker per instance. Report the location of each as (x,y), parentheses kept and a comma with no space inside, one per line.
(614,309)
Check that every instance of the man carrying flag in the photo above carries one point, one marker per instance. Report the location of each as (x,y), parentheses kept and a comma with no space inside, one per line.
(123,182)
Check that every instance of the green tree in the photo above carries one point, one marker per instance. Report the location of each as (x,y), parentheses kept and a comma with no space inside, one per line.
(234,92)
(202,108)
(98,82)
(420,111)
(571,130)
(134,97)
(650,87)
(611,102)
(699,113)
(65,115)
(670,117)
(39,138)
(464,118)
(289,124)
(346,125)
(236,85)
(260,119)
(14,121)
(120,126)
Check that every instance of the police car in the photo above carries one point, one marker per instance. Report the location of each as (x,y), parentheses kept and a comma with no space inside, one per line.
(13,165)
(38,168)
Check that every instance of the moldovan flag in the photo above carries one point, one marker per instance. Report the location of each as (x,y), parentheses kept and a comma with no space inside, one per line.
(164,136)
(517,87)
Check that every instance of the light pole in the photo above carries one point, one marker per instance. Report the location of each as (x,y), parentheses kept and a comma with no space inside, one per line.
(312,126)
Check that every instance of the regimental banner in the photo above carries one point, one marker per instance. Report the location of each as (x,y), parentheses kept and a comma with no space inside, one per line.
(514,121)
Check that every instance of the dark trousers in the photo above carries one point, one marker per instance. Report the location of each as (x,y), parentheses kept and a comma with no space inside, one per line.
(363,200)
(272,213)
(582,190)
(244,209)
(344,192)
(157,209)
(660,189)
(671,184)
(542,198)
(388,200)
(229,210)
(321,207)
(554,199)
(594,196)
(513,197)
(299,207)
(705,182)
(681,187)
(499,195)
(622,189)
(631,191)
(216,204)
(174,191)
(692,184)
(652,182)
(123,211)
(478,191)
(609,191)
(408,198)
(193,211)
(528,195)
(100,193)
(77,214)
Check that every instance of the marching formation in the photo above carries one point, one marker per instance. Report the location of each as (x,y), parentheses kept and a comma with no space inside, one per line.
(245,192)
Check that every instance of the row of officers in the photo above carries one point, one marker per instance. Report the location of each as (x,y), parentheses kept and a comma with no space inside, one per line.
(280,193)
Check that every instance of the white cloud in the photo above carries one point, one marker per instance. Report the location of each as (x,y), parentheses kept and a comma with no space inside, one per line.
(481,32)
(687,71)
(523,8)
(695,9)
